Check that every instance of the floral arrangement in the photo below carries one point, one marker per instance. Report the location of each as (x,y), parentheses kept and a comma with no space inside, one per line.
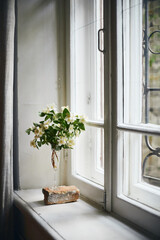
(59,129)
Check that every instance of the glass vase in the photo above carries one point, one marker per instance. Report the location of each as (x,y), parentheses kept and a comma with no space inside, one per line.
(55,158)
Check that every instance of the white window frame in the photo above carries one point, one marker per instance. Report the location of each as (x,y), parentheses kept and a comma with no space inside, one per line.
(126,207)
(116,202)
(93,191)
(132,113)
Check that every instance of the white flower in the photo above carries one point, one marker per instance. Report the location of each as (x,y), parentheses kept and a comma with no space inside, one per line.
(36,131)
(40,132)
(82,119)
(71,143)
(58,125)
(62,141)
(50,107)
(62,108)
(53,107)
(47,124)
(77,133)
(33,143)
(46,110)
(45,127)
(71,128)
(69,120)
(72,117)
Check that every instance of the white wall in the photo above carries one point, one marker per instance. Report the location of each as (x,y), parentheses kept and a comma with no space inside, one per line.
(37,84)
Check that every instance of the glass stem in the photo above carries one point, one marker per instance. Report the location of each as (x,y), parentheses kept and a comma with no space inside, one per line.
(55,178)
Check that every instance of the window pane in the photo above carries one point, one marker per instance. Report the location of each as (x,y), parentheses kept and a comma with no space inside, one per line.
(89,155)
(140,168)
(87,89)
(141,61)
(151,61)
(88,62)
(151,160)
(154,107)
(132,61)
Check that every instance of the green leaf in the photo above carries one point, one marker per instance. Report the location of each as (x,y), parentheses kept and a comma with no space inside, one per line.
(58,115)
(47,117)
(66,113)
(81,126)
(39,144)
(52,111)
(58,148)
(56,121)
(36,124)
(76,121)
(28,131)
(56,128)
(66,147)
(42,114)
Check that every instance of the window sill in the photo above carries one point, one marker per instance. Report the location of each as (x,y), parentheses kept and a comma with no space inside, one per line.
(77,220)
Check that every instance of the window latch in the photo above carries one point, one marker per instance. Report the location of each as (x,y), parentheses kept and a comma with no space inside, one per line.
(101,40)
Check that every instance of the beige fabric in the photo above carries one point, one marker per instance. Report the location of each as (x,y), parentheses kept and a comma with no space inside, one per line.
(7,25)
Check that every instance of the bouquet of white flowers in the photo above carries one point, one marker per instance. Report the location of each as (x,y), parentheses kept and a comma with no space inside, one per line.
(59,129)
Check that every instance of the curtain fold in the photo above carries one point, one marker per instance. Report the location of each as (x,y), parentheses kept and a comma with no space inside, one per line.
(7,29)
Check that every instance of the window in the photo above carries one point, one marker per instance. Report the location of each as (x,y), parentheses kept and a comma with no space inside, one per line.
(127,134)
(138,66)
(138,180)
(87,89)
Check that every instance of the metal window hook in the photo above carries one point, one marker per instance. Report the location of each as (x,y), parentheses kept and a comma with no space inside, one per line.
(99,45)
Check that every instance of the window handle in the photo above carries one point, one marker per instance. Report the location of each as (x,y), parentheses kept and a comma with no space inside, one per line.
(99,38)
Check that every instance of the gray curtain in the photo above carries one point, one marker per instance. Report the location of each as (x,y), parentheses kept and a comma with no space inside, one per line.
(7,29)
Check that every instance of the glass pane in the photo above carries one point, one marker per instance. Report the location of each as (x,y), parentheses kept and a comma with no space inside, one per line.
(88,62)
(154,107)
(151,61)
(89,155)
(132,61)
(140,168)
(151,160)
(141,61)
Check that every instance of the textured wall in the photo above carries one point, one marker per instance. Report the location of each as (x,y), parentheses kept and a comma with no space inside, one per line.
(37,84)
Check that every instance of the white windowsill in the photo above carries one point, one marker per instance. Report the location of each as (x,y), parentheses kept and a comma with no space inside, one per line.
(78,220)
